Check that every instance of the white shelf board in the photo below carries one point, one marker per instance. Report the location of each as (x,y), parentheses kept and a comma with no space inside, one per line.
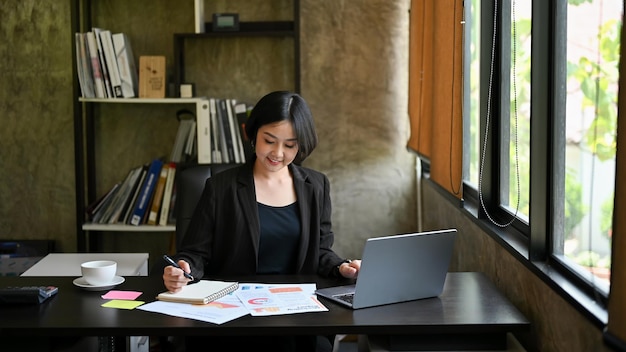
(129,228)
(143,100)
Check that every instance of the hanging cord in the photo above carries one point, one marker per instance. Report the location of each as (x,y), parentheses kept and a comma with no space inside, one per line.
(482,161)
(458,190)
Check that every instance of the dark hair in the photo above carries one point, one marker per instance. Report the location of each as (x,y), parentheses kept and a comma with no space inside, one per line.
(285,106)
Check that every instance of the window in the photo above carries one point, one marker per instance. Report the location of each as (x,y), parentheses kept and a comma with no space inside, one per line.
(592,59)
(471,108)
(540,126)
(515,121)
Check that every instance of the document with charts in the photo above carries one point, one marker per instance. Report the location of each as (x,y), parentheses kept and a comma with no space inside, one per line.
(219,311)
(264,300)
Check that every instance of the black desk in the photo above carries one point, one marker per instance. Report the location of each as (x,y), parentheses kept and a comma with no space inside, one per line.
(470,312)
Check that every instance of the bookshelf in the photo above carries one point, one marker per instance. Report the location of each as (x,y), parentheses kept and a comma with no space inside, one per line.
(278,29)
(87,173)
(283,33)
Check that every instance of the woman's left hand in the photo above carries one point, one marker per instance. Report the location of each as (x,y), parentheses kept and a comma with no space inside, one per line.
(350,270)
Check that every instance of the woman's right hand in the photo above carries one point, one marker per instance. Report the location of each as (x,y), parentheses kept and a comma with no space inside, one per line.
(174,278)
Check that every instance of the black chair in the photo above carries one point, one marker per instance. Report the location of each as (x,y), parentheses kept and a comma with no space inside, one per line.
(190,180)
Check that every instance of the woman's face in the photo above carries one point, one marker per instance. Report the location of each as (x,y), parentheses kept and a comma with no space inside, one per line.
(276,145)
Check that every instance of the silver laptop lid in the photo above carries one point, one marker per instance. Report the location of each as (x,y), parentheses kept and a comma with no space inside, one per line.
(403,267)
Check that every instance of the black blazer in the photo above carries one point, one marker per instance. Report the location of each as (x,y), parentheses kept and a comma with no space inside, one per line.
(223,235)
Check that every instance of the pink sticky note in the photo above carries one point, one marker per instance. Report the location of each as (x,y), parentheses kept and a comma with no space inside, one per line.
(127,295)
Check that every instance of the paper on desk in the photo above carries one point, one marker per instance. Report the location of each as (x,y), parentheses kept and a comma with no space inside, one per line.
(230,307)
(122,304)
(306,288)
(219,311)
(116,294)
(264,300)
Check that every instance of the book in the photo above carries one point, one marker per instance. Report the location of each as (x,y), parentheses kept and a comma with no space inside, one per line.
(126,64)
(126,193)
(104,205)
(130,205)
(103,65)
(83,67)
(231,131)
(113,211)
(240,156)
(167,194)
(146,192)
(171,217)
(111,62)
(96,67)
(216,155)
(189,152)
(152,76)
(198,6)
(201,292)
(242,112)
(80,72)
(158,196)
(203,137)
(144,218)
(178,149)
(226,144)
(95,207)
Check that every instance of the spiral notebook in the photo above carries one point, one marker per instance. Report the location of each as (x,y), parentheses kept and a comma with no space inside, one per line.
(201,292)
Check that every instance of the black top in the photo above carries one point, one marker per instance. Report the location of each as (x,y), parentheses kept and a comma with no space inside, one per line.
(280,233)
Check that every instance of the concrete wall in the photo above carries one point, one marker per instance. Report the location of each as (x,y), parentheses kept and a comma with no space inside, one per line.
(36,133)
(354,61)
(556,325)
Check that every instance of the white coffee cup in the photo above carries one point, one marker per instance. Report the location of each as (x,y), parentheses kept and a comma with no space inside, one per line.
(99,272)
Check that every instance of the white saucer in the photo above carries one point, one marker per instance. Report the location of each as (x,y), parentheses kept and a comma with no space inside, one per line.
(80,282)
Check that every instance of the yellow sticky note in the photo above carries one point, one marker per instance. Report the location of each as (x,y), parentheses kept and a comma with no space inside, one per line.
(122,304)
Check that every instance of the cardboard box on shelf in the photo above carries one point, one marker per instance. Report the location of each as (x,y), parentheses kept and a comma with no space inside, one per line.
(152,77)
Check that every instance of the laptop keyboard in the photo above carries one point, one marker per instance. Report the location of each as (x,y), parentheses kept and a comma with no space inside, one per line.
(347,297)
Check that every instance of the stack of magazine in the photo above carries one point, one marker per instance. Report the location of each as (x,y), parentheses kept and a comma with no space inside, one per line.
(105,65)
(145,197)
(224,134)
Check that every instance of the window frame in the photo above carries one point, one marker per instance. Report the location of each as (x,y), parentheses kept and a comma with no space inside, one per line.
(530,242)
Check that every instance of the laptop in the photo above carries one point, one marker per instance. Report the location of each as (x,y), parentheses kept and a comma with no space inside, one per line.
(398,268)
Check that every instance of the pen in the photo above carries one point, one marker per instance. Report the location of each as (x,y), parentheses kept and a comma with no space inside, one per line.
(173,263)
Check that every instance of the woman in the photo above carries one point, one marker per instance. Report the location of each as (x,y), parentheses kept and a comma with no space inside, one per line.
(268,216)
